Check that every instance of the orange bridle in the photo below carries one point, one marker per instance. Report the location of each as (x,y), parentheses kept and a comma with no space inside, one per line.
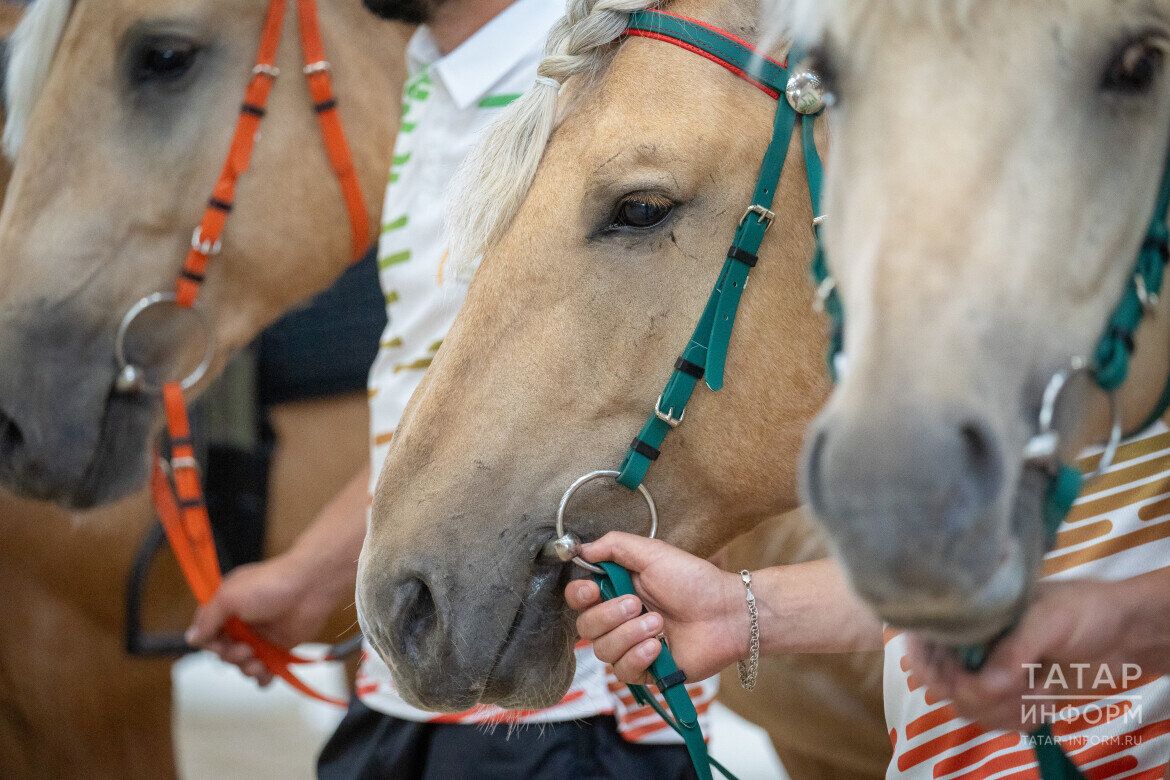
(175,484)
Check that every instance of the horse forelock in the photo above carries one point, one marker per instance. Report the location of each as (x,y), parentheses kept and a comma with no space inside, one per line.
(495,178)
(811,19)
(31,51)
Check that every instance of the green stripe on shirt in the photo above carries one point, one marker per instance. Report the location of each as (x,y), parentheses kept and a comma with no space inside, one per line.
(498,101)
(394,259)
(396,224)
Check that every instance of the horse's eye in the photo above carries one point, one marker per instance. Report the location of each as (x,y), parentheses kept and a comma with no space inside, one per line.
(1134,70)
(162,60)
(641,211)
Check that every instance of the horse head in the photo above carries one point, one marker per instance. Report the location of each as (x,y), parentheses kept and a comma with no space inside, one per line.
(594,276)
(993,172)
(120,115)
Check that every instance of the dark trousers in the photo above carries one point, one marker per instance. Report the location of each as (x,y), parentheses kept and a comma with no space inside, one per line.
(370,745)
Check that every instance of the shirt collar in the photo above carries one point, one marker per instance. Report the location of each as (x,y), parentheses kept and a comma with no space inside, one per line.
(481,61)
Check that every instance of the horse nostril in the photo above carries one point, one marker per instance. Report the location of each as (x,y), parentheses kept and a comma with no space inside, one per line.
(11,437)
(982,460)
(414,617)
(813,463)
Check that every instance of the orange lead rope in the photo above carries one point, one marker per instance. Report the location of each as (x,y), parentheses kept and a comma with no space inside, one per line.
(178,491)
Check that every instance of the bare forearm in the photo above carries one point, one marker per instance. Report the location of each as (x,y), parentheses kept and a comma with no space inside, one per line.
(1146,600)
(328,550)
(809,608)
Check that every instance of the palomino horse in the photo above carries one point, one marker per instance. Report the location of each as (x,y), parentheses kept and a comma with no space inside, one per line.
(1023,197)
(142,128)
(62,577)
(572,324)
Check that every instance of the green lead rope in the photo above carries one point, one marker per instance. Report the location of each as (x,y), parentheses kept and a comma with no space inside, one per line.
(1054,763)
(668,679)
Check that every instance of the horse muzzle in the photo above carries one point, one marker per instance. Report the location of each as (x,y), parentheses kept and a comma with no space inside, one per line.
(464,633)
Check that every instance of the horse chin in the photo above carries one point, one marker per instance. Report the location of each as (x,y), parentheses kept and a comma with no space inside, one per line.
(120,463)
(488,645)
(117,465)
(990,610)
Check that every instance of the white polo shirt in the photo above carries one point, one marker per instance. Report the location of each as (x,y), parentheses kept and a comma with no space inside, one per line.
(447,102)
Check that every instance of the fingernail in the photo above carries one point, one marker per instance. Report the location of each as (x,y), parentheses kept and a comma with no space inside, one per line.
(190,636)
(629,607)
(651,622)
(648,648)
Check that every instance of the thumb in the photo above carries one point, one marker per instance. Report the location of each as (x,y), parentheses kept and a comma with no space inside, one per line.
(635,553)
(208,622)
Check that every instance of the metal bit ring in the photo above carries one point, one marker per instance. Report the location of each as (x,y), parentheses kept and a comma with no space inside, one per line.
(581,482)
(1042,448)
(131,377)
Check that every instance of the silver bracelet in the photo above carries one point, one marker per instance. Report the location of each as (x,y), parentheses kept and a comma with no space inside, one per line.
(750,669)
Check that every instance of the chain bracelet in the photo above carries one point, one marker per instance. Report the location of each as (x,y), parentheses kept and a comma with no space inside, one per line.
(750,668)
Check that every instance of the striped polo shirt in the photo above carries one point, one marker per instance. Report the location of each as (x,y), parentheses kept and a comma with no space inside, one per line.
(447,102)
(1119,528)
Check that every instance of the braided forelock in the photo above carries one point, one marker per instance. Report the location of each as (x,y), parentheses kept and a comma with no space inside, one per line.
(491,184)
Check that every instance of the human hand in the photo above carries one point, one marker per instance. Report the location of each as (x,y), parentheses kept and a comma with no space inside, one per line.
(1077,626)
(700,609)
(278,598)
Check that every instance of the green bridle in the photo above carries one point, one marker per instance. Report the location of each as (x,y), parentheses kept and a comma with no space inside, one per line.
(705,355)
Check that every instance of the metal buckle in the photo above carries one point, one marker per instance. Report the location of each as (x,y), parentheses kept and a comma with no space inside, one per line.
(271,71)
(565,550)
(765,216)
(320,66)
(184,462)
(668,416)
(824,291)
(818,221)
(131,379)
(203,246)
(1149,300)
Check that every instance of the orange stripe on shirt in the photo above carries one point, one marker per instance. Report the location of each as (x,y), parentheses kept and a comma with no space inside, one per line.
(930,720)
(1127,452)
(1007,761)
(1112,768)
(926,751)
(972,756)
(633,735)
(1142,536)
(1109,748)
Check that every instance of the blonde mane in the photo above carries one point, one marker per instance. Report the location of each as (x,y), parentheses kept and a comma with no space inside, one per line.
(495,177)
(31,51)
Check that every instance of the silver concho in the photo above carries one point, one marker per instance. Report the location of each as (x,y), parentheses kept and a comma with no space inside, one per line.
(806,93)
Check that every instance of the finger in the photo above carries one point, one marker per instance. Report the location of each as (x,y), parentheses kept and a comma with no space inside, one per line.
(613,646)
(582,594)
(631,668)
(603,618)
(635,553)
(255,669)
(208,623)
(238,653)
